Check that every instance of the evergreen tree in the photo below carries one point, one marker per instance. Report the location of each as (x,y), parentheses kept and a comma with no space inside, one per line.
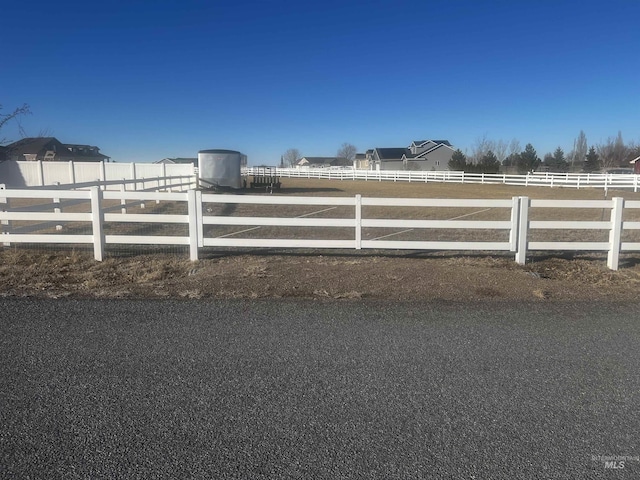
(528,160)
(458,161)
(489,163)
(511,160)
(556,162)
(560,162)
(591,161)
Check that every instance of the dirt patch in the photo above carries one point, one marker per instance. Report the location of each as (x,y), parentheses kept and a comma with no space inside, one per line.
(407,276)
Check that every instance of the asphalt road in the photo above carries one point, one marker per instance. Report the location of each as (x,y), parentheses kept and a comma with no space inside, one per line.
(315,389)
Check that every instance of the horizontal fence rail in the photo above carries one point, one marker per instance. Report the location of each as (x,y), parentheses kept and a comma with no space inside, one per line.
(210,220)
(571,180)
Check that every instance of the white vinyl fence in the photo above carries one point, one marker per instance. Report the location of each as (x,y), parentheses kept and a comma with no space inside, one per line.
(516,229)
(109,175)
(572,180)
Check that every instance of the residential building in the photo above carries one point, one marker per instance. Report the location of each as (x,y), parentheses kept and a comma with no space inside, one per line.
(363,160)
(51,149)
(420,155)
(179,160)
(323,162)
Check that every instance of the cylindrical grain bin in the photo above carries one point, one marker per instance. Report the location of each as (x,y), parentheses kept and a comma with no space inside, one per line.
(220,168)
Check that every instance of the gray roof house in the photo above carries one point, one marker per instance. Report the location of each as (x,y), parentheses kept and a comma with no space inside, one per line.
(323,162)
(51,149)
(420,155)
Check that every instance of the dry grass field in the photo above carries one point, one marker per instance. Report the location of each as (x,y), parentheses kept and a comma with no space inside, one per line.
(380,274)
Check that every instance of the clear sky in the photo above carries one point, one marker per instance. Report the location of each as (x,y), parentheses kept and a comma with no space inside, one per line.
(145,80)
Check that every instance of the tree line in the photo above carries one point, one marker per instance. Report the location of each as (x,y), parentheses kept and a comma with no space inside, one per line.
(489,156)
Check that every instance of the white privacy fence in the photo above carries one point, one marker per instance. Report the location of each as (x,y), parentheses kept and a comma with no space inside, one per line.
(572,180)
(109,175)
(207,221)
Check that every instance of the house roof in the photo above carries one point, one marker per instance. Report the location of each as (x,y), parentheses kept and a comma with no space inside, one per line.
(399,153)
(336,161)
(392,153)
(182,160)
(426,152)
(422,142)
(35,145)
(32,145)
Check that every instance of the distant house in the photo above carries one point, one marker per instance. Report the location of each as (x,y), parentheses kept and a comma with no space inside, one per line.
(420,155)
(86,153)
(51,149)
(636,165)
(363,160)
(323,162)
(179,160)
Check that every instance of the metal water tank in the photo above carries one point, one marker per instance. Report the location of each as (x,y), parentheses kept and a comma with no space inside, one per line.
(220,168)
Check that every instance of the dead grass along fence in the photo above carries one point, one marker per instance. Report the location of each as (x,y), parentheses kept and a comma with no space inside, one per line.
(516,229)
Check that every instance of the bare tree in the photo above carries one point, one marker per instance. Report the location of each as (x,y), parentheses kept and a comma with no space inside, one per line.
(481,146)
(291,156)
(347,151)
(579,152)
(500,150)
(514,147)
(612,152)
(633,150)
(14,115)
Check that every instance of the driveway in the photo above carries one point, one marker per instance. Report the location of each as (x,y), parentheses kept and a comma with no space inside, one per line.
(318,389)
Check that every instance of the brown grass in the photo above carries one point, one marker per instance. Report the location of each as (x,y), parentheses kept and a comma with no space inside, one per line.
(332,274)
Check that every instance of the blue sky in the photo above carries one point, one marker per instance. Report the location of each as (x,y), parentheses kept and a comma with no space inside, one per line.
(147,80)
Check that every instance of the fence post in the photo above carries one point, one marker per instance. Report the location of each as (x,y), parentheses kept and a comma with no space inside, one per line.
(615,234)
(123,202)
(57,206)
(103,175)
(199,214)
(72,172)
(133,175)
(97,221)
(523,230)
(40,173)
(5,225)
(515,216)
(142,201)
(192,204)
(358,222)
